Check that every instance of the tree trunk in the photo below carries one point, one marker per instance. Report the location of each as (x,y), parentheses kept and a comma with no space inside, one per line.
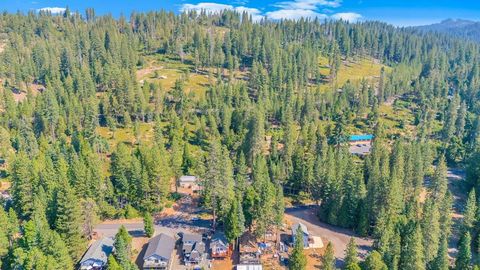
(214,219)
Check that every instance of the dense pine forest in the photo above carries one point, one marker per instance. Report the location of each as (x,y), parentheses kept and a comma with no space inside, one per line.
(269,124)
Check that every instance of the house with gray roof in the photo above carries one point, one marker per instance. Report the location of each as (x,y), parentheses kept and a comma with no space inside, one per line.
(187,181)
(360,145)
(306,234)
(159,253)
(97,255)
(193,248)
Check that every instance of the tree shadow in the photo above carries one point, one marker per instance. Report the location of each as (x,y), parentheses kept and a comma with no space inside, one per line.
(139,260)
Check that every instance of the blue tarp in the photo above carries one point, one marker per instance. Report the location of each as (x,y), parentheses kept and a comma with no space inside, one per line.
(363,137)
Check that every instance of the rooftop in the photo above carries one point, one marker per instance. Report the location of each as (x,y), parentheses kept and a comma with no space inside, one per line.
(188,178)
(191,237)
(161,245)
(219,236)
(301,225)
(361,137)
(99,251)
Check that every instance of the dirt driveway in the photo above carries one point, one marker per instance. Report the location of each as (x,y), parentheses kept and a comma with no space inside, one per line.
(338,236)
(456,185)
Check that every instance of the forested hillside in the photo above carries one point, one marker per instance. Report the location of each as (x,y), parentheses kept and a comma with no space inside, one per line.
(460,28)
(99,117)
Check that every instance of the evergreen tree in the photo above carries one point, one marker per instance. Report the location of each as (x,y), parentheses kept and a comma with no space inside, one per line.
(441,260)
(123,252)
(298,260)
(148,225)
(430,226)
(4,241)
(464,255)
(469,214)
(68,222)
(351,253)
(353,266)
(374,262)
(439,180)
(265,197)
(23,185)
(412,249)
(233,222)
(112,263)
(328,258)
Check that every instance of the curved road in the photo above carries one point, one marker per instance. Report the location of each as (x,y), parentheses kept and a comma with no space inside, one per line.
(338,236)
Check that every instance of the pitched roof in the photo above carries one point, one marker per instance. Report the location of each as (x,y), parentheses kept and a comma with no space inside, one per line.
(188,178)
(99,251)
(161,245)
(219,238)
(301,225)
(191,237)
(362,137)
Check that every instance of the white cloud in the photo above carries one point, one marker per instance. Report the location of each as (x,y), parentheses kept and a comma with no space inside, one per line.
(288,10)
(217,8)
(255,13)
(53,10)
(347,16)
(297,9)
(308,4)
(209,7)
(294,14)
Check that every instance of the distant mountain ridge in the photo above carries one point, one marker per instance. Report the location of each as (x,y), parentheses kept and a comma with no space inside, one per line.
(457,27)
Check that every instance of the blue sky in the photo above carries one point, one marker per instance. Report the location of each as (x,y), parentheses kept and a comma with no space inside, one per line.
(397,12)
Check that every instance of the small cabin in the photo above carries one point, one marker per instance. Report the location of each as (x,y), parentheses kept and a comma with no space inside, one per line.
(306,234)
(188,181)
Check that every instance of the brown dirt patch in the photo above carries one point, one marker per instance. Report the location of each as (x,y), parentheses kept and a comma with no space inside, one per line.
(423,195)
(314,258)
(21,93)
(224,264)
(122,221)
(19,97)
(141,73)
(5,186)
(138,243)
(3,45)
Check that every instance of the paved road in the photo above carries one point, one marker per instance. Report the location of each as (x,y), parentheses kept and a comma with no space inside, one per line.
(338,236)
(185,219)
(110,229)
